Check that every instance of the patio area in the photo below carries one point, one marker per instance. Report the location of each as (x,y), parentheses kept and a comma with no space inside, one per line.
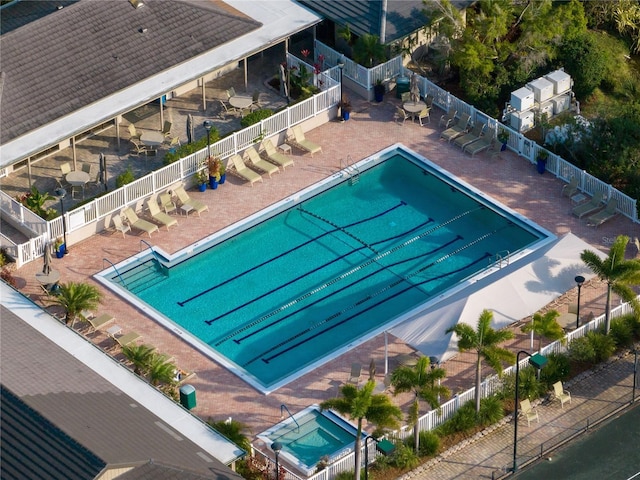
(220,394)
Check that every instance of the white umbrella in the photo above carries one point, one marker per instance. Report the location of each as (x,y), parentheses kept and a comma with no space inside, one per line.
(414,89)
(46,269)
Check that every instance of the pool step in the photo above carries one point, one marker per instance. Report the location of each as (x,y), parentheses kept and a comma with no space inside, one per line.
(144,276)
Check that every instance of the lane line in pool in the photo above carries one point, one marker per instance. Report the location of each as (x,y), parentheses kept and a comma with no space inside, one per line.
(338,228)
(346,287)
(364,299)
(311,240)
(249,302)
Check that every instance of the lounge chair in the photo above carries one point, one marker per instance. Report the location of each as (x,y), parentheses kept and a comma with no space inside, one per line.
(126,339)
(167,203)
(158,215)
(301,142)
(275,156)
(529,412)
(447,118)
(120,226)
(243,171)
(458,129)
(99,322)
(473,136)
(139,223)
(561,394)
(610,211)
(261,164)
(589,207)
(354,376)
(571,188)
(184,198)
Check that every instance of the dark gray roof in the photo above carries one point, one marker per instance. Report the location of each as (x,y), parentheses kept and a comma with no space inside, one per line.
(88,408)
(26,11)
(93,48)
(155,471)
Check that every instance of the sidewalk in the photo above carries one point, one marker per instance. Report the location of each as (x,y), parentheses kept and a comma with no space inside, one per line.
(595,395)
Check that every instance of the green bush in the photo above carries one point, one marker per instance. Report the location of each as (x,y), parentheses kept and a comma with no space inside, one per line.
(529,386)
(491,411)
(124,178)
(581,351)
(622,331)
(403,457)
(193,147)
(462,420)
(255,117)
(585,62)
(603,345)
(557,368)
(346,475)
(429,443)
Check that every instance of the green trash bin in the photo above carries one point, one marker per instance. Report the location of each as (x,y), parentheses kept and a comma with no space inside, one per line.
(385,447)
(402,86)
(188,396)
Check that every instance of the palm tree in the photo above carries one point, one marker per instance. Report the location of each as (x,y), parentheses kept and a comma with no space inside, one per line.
(620,274)
(362,403)
(140,356)
(368,50)
(76,297)
(484,340)
(545,326)
(421,380)
(161,370)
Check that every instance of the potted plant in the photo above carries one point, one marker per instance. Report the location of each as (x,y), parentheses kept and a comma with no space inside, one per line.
(543,155)
(345,107)
(378,91)
(201,179)
(503,138)
(215,168)
(59,247)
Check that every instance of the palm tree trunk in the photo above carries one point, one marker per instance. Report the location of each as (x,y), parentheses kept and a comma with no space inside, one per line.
(478,381)
(607,311)
(358,448)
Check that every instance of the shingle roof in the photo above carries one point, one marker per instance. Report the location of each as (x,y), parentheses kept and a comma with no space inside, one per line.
(93,48)
(88,408)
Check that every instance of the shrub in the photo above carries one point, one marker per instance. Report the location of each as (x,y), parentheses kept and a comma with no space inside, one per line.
(348,475)
(403,457)
(622,331)
(232,430)
(124,178)
(581,351)
(193,147)
(491,411)
(462,420)
(603,345)
(529,386)
(429,443)
(255,117)
(557,368)
(585,62)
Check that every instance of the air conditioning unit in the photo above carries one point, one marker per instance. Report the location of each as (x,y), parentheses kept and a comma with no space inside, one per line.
(542,89)
(561,81)
(522,121)
(548,109)
(522,99)
(561,104)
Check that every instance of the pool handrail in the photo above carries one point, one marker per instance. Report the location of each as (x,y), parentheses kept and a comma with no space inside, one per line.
(116,270)
(155,254)
(284,407)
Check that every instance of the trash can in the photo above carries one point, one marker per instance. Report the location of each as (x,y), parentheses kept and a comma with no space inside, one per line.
(188,396)
(385,447)
(402,86)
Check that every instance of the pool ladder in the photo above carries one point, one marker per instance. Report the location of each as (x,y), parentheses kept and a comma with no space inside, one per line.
(502,258)
(283,407)
(353,171)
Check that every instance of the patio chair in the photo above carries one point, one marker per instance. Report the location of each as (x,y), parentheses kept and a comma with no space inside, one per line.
(184,198)
(138,223)
(302,143)
(258,162)
(98,322)
(167,203)
(589,207)
(401,115)
(120,225)
(636,243)
(256,100)
(610,211)
(243,171)
(274,156)
(174,143)
(354,376)
(138,148)
(486,142)
(231,92)
(458,129)
(166,129)
(126,339)
(529,412)
(468,138)
(224,110)
(424,113)
(571,188)
(134,135)
(561,394)
(429,100)
(158,215)
(405,96)
(447,118)
(65,168)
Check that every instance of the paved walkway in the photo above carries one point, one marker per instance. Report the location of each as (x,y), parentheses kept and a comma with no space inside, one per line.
(595,395)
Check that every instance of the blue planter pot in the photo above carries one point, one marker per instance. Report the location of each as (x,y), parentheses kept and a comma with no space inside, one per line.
(541,166)
(213,183)
(345,115)
(60,251)
(202,187)
(223,177)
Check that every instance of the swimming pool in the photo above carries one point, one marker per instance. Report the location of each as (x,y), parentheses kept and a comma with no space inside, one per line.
(310,436)
(322,271)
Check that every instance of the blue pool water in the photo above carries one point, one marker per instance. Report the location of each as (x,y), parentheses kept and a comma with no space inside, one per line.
(309,436)
(334,266)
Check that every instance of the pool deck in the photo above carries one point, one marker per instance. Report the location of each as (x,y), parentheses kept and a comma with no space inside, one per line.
(220,394)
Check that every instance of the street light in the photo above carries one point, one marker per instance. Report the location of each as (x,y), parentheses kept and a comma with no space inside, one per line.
(341,67)
(61,193)
(276,447)
(207,126)
(538,361)
(579,280)
(366,456)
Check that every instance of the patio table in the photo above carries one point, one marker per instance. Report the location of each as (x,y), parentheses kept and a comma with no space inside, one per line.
(77,178)
(151,138)
(241,101)
(414,107)
(51,278)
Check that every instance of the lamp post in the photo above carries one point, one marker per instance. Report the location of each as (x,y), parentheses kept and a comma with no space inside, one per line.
(276,447)
(366,456)
(341,67)
(207,126)
(538,361)
(61,193)
(635,374)
(579,280)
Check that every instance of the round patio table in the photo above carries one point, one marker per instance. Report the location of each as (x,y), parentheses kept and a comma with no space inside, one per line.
(151,138)
(414,107)
(51,278)
(241,101)
(77,178)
